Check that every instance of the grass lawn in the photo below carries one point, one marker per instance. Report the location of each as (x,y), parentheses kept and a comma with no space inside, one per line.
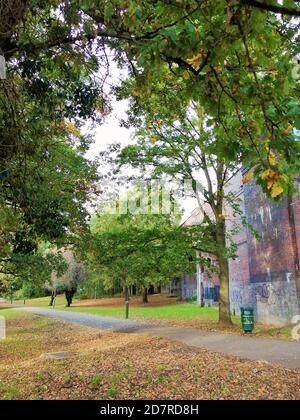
(115,308)
(11,313)
(112,366)
(162,310)
(43,302)
(183,311)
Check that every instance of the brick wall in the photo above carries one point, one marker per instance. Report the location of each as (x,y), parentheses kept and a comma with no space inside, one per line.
(264,275)
(239,268)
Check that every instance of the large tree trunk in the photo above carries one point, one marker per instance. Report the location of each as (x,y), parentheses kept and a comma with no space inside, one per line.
(145,295)
(202,301)
(69,293)
(224,304)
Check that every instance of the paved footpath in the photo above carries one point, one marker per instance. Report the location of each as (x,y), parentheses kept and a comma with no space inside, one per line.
(279,352)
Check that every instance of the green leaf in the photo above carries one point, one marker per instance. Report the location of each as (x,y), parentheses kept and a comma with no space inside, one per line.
(297,124)
(139,14)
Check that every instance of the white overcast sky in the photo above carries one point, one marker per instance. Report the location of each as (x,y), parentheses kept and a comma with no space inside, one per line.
(111,132)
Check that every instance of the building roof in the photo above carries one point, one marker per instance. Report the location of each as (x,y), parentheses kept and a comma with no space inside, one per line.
(194,219)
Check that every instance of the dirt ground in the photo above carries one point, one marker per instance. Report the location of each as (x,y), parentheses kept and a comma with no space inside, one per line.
(135,301)
(5,305)
(127,366)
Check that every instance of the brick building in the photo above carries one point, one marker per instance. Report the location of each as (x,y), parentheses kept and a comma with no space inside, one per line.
(266,274)
(205,288)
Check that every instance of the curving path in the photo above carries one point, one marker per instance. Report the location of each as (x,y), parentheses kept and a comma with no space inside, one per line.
(279,352)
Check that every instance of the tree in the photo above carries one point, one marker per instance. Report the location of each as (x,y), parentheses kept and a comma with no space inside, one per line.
(97,284)
(69,281)
(29,272)
(175,141)
(142,249)
(235,58)
(183,138)
(45,179)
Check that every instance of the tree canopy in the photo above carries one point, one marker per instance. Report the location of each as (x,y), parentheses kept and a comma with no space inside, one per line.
(235,59)
(144,249)
(45,179)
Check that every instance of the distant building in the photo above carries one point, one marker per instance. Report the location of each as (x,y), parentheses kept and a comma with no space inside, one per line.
(203,287)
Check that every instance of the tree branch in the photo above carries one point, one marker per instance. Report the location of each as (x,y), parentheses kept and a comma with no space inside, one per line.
(271,8)
(183,64)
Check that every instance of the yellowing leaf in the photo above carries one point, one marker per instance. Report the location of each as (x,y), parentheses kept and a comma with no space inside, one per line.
(276,190)
(273,72)
(135,93)
(272,159)
(268,174)
(186,75)
(74,131)
(154,139)
(284,178)
(288,130)
(247,178)
(196,60)
(242,132)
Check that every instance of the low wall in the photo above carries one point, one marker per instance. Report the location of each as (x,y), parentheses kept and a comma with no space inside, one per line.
(274,303)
